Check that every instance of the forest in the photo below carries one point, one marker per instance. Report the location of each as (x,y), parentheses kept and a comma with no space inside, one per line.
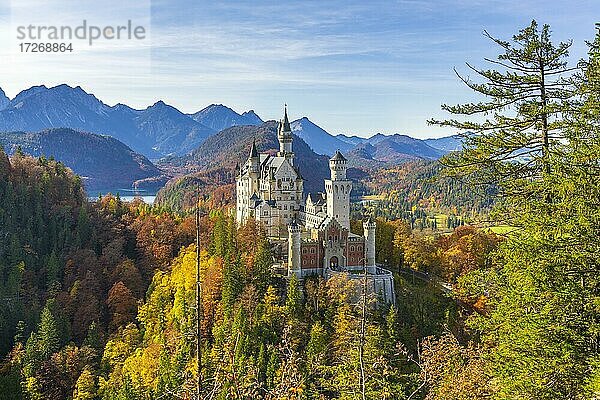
(98,297)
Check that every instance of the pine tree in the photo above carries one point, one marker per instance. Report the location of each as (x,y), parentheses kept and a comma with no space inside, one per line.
(53,269)
(541,334)
(293,300)
(48,338)
(83,230)
(521,121)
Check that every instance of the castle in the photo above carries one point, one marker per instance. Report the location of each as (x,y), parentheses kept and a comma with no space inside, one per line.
(316,227)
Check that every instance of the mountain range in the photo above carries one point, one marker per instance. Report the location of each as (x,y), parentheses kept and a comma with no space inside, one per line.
(161,130)
(157,131)
(378,149)
(103,162)
(214,137)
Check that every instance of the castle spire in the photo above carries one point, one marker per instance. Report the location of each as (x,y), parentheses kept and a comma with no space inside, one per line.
(253,151)
(285,123)
(284,135)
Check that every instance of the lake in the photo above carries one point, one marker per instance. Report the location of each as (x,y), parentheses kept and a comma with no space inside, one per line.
(147,197)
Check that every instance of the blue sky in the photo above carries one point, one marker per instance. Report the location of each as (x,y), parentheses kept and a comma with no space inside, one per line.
(351,67)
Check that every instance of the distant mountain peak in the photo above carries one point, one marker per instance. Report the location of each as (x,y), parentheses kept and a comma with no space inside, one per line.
(447,143)
(319,140)
(23,94)
(252,117)
(216,106)
(161,106)
(155,131)
(64,86)
(219,117)
(159,103)
(4,100)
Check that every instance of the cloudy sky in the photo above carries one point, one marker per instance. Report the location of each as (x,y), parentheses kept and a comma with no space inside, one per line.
(352,67)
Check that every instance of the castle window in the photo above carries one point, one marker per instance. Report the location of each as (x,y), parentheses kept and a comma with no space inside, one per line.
(303,251)
(312,250)
(352,248)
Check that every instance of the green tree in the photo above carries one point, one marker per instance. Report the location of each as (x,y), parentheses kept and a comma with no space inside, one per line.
(48,337)
(293,300)
(85,387)
(520,121)
(541,333)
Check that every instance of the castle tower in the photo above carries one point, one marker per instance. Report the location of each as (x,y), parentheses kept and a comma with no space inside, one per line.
(294,249)
(369,226)
(253,170)
(338,190)
(284,134)
(247,184)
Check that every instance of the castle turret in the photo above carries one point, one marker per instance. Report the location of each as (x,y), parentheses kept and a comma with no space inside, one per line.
(338,165)
(338,190)
(294,249)
(284,134)
(369,226)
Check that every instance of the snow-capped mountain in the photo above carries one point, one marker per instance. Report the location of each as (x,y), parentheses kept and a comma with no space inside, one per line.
(319,140)
(219,117)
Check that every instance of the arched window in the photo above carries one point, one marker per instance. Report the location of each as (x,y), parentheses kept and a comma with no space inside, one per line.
(333,262)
